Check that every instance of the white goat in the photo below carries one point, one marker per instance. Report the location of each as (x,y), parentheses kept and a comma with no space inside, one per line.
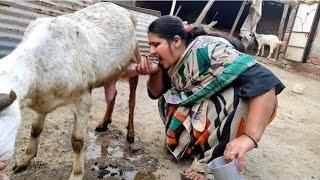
(266,39)
(59,61)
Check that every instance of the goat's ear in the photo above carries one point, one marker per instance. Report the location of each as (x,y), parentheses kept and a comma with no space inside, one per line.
(7,99)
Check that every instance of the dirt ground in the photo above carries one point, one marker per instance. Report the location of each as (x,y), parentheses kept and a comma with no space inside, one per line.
(289,149)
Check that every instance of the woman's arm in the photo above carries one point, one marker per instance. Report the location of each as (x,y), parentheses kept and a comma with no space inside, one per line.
(261,109)
(155,84)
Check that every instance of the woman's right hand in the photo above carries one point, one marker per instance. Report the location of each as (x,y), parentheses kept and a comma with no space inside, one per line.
(147,67)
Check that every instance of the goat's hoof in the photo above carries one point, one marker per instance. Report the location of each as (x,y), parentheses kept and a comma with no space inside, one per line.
(130,139)
(101,128)
(17,169)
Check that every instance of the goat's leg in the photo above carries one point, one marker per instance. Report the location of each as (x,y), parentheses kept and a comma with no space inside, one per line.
(263,46)
(133,82)
(110,95)
(31,152)
(82,111)
(259,48)
(271,52)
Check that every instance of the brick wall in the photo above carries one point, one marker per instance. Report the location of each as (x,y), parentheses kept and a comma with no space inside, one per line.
(308,69)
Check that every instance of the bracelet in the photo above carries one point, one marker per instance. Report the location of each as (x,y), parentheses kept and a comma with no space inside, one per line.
(255,141)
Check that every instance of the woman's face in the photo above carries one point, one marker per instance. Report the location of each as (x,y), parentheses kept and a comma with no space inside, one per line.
(164,51)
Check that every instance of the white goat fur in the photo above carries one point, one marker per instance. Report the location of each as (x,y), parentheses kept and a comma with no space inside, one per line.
(59,61)
(266,39)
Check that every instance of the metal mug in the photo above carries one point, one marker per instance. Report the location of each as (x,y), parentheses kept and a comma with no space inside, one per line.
(220,169)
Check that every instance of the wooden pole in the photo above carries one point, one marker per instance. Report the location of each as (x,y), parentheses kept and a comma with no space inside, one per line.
(173,5)
(178,10)
(237,18)
(204,12)
(281,27)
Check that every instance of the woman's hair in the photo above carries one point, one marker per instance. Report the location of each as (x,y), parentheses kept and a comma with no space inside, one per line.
(168,26)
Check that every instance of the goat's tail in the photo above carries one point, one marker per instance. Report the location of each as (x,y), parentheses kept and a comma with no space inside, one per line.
(134,20)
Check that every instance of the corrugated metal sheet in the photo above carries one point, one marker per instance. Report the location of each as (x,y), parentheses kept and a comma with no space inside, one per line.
(15,16)
(144,21)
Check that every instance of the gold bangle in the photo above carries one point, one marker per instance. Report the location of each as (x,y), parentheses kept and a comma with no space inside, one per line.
(255,141)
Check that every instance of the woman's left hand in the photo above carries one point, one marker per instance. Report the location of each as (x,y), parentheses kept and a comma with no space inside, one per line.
(237,148)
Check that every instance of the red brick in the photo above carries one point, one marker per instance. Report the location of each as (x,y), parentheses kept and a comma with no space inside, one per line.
(314,58)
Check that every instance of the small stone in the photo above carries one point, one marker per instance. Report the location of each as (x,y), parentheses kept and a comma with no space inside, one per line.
(113,174)
(298,88)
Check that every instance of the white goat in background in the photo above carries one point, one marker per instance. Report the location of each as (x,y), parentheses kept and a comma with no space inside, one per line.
(59,61)
(266,39)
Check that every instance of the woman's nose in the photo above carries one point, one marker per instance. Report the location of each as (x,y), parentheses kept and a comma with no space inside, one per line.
(152,50)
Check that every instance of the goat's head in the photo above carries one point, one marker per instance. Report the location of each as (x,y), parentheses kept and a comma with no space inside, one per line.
(253,34)
(9,124)
(254,38)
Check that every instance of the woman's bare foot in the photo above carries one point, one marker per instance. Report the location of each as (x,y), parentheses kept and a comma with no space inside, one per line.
(193,174)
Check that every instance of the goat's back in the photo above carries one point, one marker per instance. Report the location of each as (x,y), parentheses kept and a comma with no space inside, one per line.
(77,52)
(268,39)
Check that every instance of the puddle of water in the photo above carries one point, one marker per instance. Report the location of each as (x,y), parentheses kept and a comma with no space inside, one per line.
(104,171)
(93,148)
(115,152)
(144,176)
(107,171)
(111,157)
